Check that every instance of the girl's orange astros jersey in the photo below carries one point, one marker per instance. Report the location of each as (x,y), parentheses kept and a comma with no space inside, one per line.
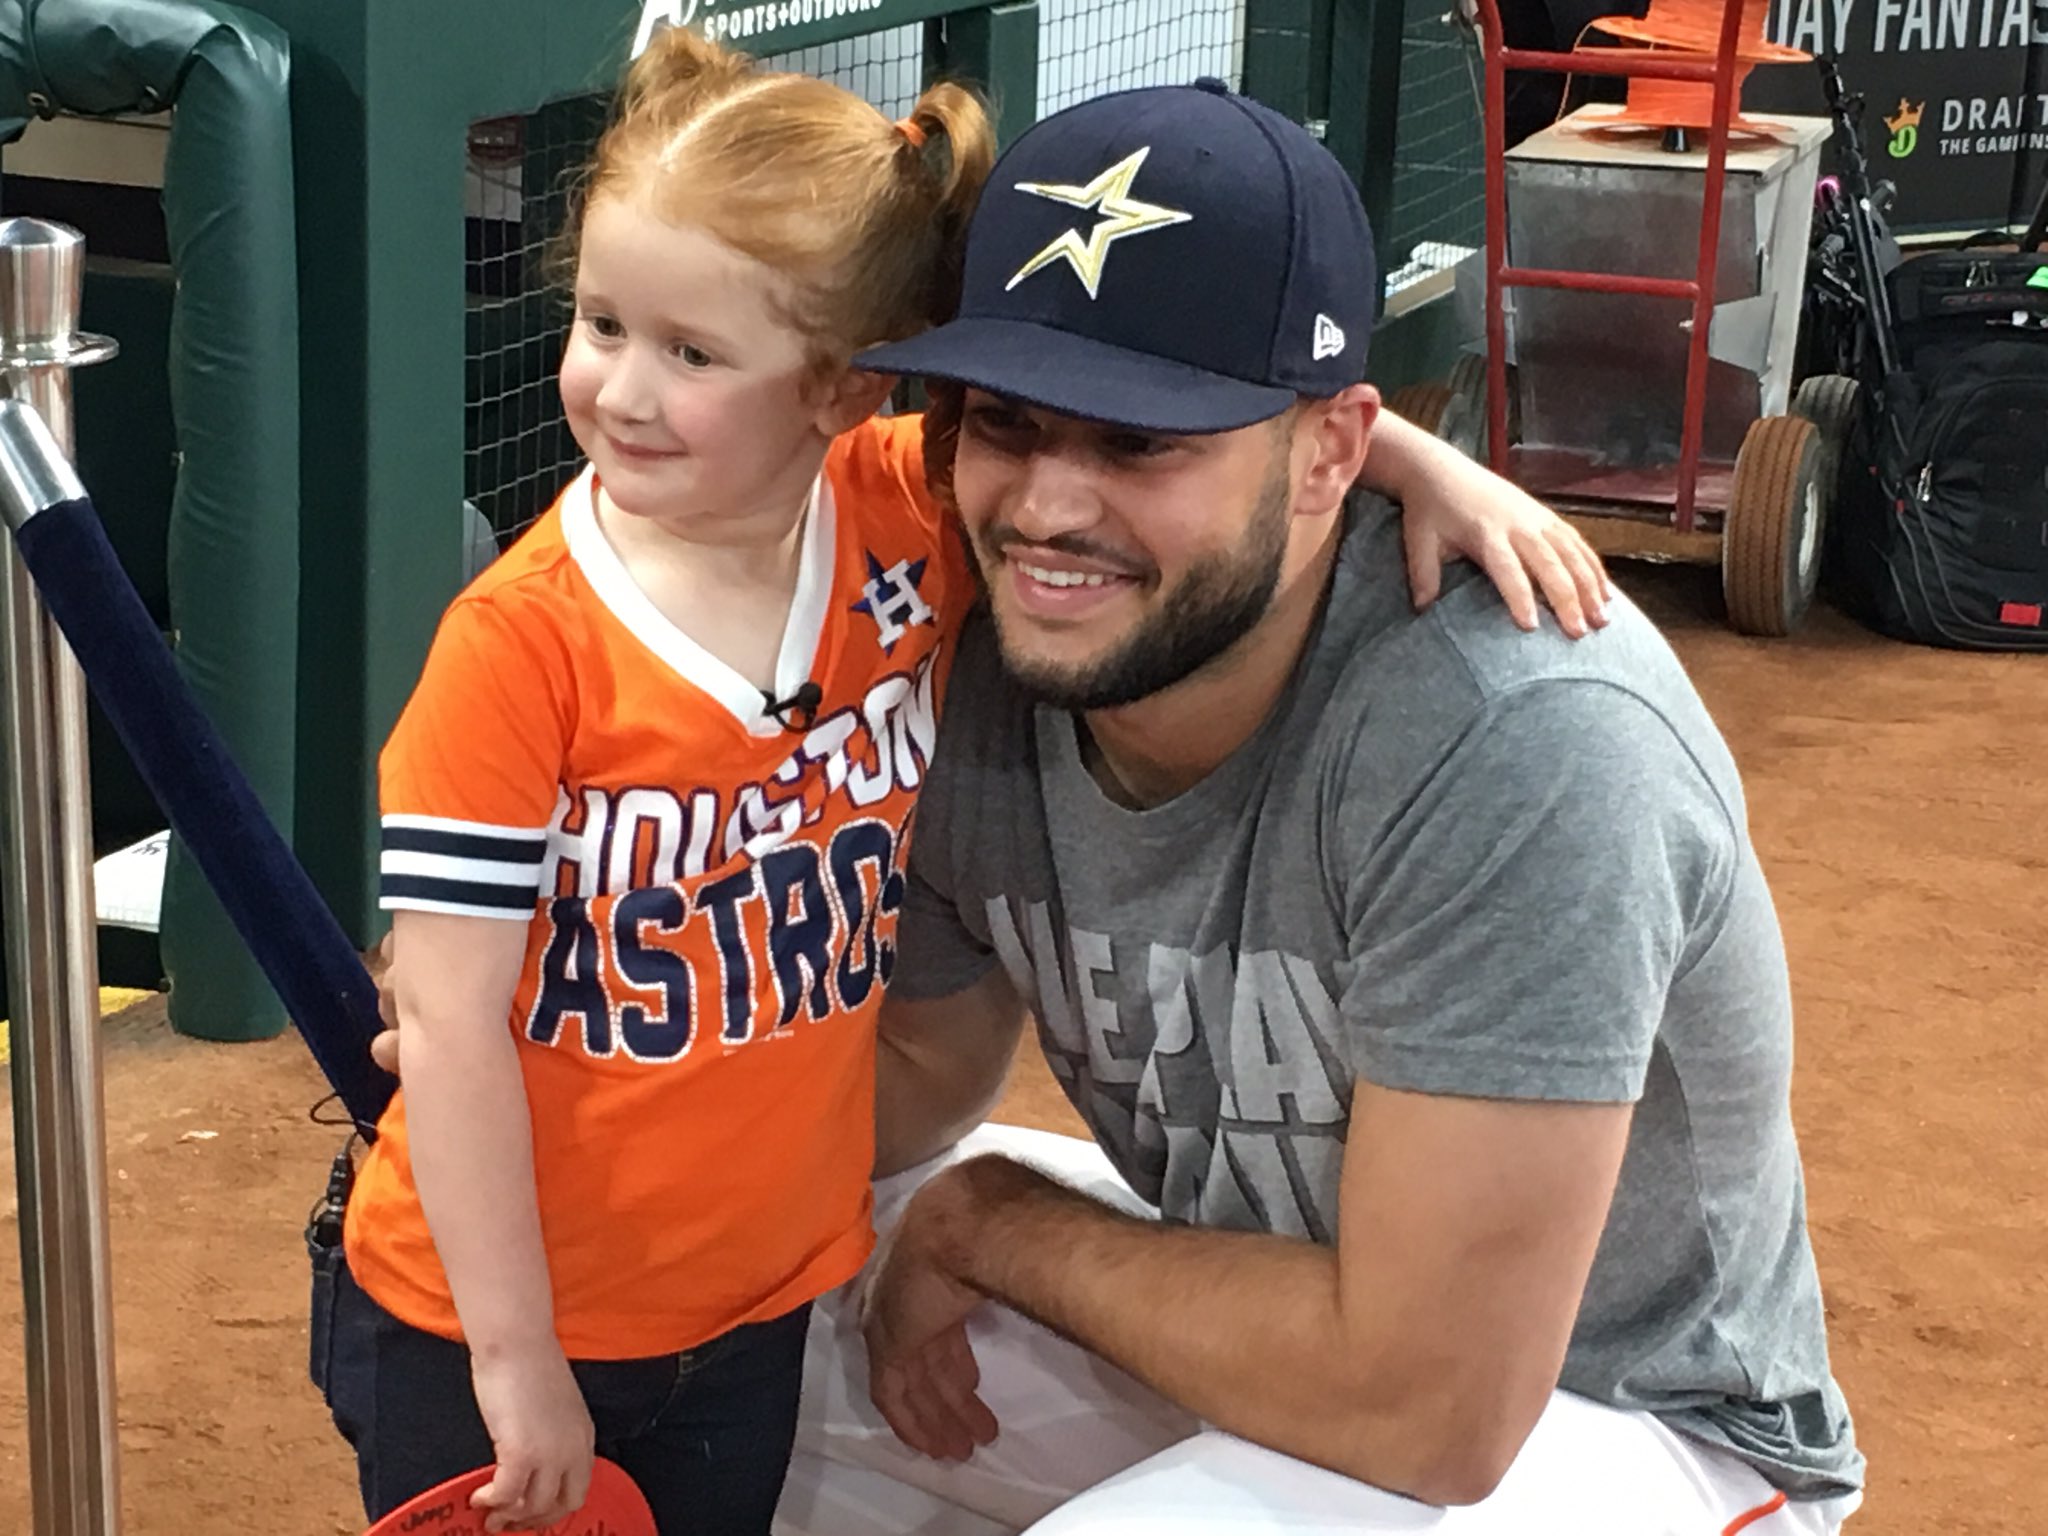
(711,898)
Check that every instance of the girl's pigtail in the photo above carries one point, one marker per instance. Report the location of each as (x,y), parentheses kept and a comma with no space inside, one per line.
(952,144)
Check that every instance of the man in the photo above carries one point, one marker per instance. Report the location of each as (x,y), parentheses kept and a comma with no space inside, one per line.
(1420,973)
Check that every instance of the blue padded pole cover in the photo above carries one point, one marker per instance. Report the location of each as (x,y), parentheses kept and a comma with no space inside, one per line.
(272,902)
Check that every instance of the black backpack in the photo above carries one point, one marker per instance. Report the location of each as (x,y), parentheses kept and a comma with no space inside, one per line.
(1943,537)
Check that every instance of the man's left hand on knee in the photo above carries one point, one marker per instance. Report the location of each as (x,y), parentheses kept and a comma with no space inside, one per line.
(922,1372)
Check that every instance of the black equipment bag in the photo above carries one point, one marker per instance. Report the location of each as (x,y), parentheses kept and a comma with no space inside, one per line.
(1940,532)
(1945,534)
(1935,294)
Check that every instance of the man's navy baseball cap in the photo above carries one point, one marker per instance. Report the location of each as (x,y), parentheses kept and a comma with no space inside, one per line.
(1174,259)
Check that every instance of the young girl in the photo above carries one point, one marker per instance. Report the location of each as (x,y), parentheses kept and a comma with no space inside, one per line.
(649,804)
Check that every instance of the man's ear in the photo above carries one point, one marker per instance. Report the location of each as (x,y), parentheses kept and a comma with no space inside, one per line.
(850,398)
(1335,434)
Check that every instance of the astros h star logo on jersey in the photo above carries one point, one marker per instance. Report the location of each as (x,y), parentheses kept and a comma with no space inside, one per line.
(892,600)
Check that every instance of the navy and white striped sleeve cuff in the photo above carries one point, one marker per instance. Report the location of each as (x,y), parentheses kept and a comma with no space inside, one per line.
(468,868)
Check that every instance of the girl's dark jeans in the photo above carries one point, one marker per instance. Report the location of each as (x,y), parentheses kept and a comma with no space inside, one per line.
(706,1434)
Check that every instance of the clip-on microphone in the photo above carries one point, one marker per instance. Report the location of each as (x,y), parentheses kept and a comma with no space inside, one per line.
(803,704)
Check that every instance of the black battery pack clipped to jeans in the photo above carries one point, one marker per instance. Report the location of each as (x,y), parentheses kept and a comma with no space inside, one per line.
(324,1255)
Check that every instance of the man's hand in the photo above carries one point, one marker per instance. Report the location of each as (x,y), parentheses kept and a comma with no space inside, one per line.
(1415,1356)
(541,1434)
(922,1373)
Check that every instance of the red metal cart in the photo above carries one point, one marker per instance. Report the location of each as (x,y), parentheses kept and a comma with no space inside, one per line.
(1756,513)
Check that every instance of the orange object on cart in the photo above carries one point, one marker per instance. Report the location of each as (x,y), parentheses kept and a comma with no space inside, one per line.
(1691,28)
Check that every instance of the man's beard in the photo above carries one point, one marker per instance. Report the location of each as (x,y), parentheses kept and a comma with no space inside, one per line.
(1215,605)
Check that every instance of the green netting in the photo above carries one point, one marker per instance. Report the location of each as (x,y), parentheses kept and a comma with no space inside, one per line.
(517,449)
(1438,170)
(1087,47)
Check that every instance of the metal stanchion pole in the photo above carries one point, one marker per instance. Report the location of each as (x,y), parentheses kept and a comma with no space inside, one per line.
(53,967)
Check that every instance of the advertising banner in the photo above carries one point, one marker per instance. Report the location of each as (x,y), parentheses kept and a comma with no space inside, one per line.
(1956,98)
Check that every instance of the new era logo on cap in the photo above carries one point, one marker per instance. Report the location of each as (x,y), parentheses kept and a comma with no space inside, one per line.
(1329,338)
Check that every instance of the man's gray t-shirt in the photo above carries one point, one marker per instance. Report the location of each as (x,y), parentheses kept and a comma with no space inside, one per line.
(1456,859)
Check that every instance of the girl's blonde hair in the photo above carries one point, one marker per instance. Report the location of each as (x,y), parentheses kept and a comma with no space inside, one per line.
(865,219)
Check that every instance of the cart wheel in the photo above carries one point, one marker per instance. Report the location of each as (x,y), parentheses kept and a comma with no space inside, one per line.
(1771,539)
(1463,423)
(1831,402)
(1422,404)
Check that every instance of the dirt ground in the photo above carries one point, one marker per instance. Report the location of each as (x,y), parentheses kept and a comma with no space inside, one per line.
(1900,801)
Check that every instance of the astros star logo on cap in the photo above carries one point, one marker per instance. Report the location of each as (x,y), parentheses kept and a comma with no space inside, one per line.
(1109,195)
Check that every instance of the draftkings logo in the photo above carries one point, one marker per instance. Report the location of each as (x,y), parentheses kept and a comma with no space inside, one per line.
(1905,127)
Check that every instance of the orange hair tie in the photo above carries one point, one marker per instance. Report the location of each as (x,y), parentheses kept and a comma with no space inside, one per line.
(911,131)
